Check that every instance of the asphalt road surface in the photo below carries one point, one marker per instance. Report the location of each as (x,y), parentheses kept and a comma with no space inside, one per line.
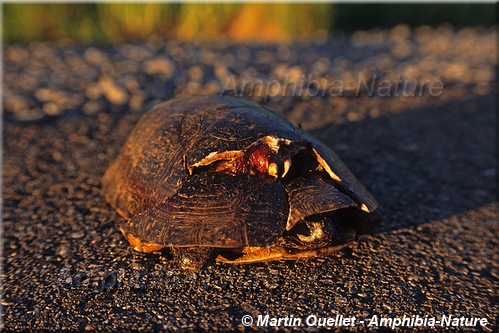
(428,156)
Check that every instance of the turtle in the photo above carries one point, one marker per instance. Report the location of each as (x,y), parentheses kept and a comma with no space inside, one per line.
(219,178)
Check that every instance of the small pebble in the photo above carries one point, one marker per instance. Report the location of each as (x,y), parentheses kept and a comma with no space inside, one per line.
(77,234)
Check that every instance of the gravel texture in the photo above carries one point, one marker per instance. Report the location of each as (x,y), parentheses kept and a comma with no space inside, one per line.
(429,158)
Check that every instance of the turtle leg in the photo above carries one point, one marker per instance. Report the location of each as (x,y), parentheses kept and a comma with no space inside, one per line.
(260,254)
(192,258)
(140,246)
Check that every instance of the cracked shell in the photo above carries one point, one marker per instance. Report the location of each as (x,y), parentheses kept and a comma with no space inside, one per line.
(220,177)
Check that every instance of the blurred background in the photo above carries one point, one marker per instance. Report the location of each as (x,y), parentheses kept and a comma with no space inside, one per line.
(105,22)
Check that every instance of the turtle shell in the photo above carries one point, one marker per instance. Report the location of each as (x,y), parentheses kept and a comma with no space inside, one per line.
(165,184)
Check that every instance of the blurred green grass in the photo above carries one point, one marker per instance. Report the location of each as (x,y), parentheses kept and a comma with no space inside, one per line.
(113,22)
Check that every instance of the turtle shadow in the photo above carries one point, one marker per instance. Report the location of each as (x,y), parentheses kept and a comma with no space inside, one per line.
(426,163)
